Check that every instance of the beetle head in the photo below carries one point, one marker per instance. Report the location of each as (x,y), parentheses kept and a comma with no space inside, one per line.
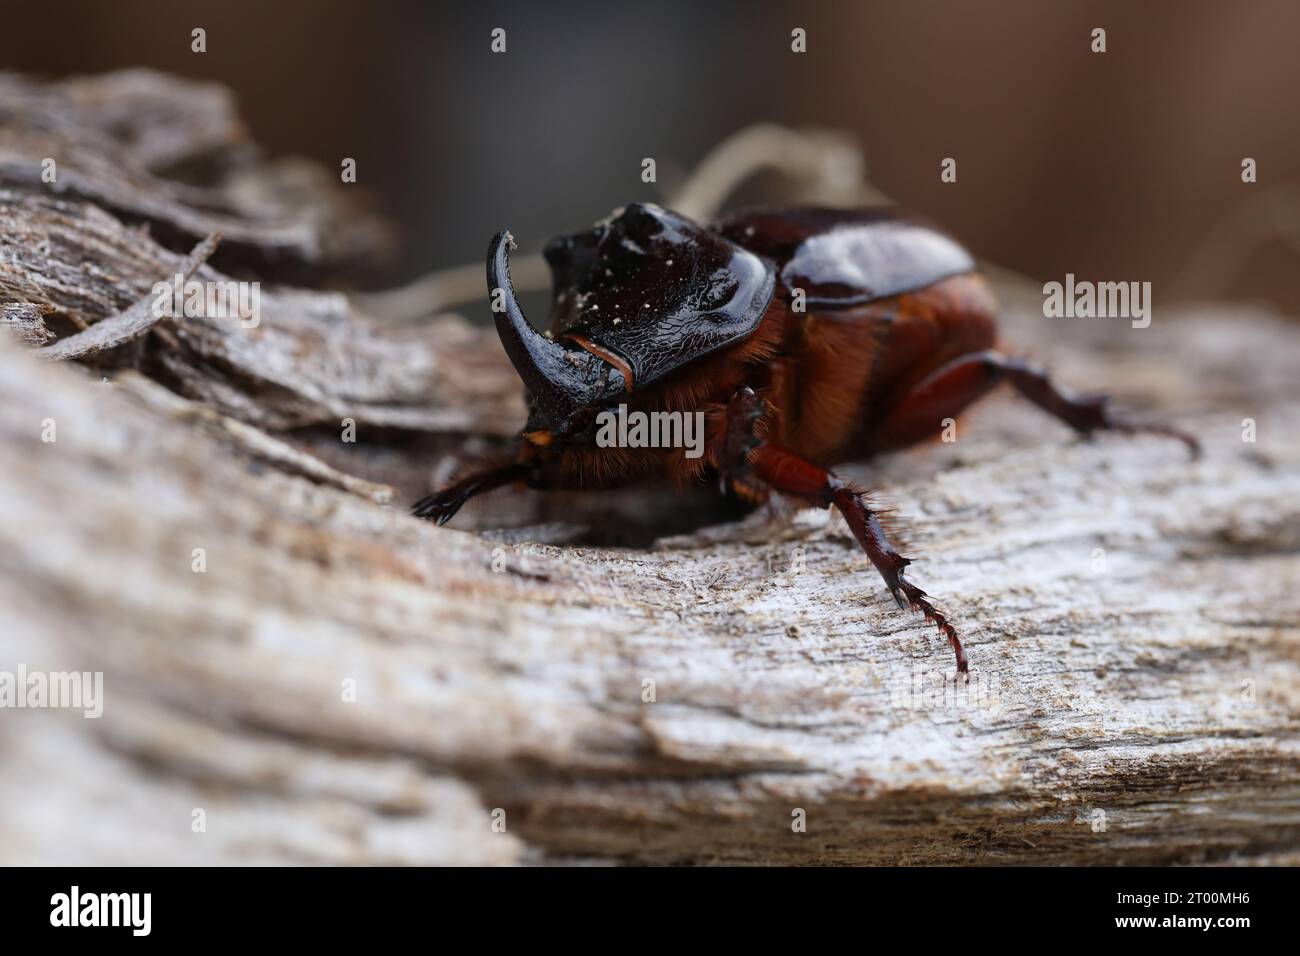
(636,296)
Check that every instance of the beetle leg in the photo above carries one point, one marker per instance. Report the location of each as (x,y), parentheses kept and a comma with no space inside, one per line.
(442,505)
(949,389)
(789,474)
(1084,413)
(739,439)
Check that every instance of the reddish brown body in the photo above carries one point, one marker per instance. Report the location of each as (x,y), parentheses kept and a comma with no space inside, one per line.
(805,337)
(835,385)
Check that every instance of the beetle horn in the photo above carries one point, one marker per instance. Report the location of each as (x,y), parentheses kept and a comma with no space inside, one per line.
(550,376)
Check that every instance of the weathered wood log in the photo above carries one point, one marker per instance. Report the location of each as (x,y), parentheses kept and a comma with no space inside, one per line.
(331,681)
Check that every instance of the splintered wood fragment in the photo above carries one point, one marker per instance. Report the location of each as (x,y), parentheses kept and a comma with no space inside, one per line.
(26,321)
(130,323)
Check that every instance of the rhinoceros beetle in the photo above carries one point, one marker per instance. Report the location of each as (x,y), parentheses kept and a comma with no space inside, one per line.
(805,337)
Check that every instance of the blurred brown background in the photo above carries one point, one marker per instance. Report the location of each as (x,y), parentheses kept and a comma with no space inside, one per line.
(1114,166)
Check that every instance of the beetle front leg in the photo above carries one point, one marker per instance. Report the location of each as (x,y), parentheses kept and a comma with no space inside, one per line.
(739,438)
(442,505)
(789,474)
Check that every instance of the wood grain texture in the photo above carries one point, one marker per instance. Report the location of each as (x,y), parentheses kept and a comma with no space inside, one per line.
(1131,617)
